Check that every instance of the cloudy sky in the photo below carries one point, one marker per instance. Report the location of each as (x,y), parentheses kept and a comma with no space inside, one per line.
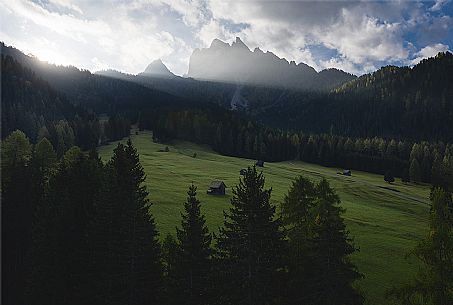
(126,35)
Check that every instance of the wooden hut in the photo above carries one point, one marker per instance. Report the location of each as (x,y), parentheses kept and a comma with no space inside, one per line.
(216,188)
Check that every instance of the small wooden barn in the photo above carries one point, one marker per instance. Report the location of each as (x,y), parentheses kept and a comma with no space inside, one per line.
(259,163)
(347,172)
(217,188)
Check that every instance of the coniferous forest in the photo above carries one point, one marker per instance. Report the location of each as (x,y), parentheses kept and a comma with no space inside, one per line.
(78,229)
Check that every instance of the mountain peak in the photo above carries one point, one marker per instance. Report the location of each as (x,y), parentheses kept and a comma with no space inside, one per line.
(158,68)
(217,43)
(257,50)
(236,63)
(239,44)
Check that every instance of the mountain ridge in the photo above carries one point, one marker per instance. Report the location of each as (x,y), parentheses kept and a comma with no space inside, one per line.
(236,63)
(158,68)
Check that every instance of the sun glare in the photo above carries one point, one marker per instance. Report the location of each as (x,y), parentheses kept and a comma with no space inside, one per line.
(51,57)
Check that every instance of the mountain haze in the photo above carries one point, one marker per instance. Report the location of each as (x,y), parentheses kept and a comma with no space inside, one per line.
(157,68)
(102,92)
(238,64)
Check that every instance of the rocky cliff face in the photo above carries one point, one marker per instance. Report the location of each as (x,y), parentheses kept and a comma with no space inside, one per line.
(237,63)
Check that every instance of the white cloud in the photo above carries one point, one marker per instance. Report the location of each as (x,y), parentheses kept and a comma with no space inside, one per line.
(193,12)
(127,35)
(67,4)
(361,39)
(211,30)
(108,37)
(429,51)
(63,24)
(438,5)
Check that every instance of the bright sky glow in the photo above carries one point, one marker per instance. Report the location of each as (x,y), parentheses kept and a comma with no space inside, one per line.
(356,36)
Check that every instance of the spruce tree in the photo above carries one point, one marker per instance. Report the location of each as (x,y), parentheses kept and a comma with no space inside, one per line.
(43,167)
(193,254)
(434,282)
(415,172)
(251,246)
(16,205)
(297,217)
(332,273)
(127,253)
(61,250)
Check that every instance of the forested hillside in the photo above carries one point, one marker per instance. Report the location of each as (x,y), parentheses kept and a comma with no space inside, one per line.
(395,102)
(234,135)
(100,93)
(31,105)
(78,231)
(384,122)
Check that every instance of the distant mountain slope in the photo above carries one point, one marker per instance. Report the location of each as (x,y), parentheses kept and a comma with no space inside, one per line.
(397,102)
(431,78)
(238,64)
(27,100)
(96,91)
(31,105)
(158,69)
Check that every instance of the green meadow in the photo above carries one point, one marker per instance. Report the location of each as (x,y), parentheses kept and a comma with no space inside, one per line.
(386,220)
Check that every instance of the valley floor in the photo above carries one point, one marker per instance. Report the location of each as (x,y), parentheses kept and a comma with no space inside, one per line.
(386,220)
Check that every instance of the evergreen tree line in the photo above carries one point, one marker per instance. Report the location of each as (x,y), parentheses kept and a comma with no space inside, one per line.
(75,230)
(116,127)
(78,231)
(234,135)
(413,103)
(31,105)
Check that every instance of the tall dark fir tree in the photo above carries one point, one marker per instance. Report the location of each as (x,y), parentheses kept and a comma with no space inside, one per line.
(17,206)
(191,272)
(61,251)
(297,217)
(251,246)
(332,273)
(125,242)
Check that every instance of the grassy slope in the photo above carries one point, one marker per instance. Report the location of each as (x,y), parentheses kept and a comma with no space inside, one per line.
(385,224)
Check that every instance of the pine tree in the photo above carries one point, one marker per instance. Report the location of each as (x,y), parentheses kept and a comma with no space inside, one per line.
(44,157)
(16,204)
(43,167)
(332,273)
(127,251)
(251,245)
(297,217)
(193,254)
(434,282)
(297,205)
(60,233)
(415,173)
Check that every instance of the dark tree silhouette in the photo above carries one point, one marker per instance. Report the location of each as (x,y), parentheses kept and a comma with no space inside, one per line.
(251,245)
